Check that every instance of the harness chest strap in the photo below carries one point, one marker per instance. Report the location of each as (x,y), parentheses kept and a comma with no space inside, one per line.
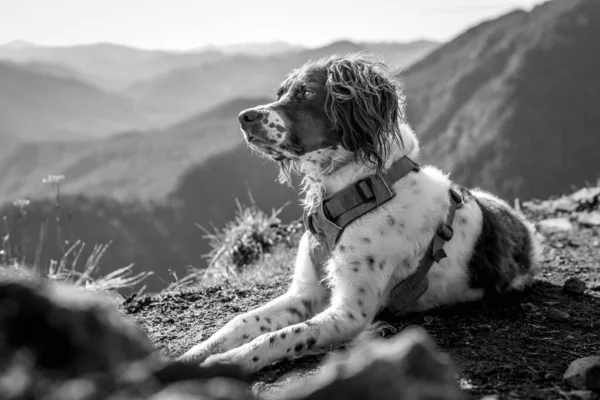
(341,208)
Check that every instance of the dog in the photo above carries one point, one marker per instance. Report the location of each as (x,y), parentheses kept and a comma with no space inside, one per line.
(335,121)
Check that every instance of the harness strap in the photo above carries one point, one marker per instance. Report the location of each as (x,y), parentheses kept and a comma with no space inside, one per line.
(409,290)
(341,208)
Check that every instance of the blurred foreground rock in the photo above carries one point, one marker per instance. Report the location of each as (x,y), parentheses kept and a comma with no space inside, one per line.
(584,373)
(407,366)
(59,342)
(66,331)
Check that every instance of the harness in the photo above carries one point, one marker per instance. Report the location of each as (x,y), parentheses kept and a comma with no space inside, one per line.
(339,209)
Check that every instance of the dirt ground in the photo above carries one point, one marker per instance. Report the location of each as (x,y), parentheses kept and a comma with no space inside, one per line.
(515,346)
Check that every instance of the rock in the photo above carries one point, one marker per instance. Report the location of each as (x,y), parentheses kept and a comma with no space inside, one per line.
(557,315)
(67,329)
(556,225)
(584,373)
(407,366)
(53,334)
(589,219)
(565,204)
(586,195)
(574,286)
(582,395)
(213,389)
(528,307)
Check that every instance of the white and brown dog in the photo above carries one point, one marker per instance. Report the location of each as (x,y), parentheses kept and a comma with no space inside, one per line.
(337,121)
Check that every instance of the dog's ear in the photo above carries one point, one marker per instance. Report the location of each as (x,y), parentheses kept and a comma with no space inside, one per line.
(366,106)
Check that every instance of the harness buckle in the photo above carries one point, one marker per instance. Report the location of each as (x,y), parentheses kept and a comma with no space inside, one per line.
(363,187)
(456,197)
(445,231)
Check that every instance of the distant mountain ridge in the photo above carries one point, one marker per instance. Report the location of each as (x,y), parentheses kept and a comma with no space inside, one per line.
(133,165)
(257,49)
(188,89)
(36,105)
(148,89)
(511,104)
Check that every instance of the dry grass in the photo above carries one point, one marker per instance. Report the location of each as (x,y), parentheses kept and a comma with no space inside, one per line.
(72,267)
(251,237)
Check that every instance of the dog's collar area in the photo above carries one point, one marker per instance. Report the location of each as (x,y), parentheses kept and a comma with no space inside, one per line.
(341,208)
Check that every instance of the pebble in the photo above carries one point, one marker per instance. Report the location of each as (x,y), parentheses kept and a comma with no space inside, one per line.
(557,315)
(549,375)
(584,373)
(586,195)
(574,286)
(589,219)
(582,395)
(528,307)
(556,225)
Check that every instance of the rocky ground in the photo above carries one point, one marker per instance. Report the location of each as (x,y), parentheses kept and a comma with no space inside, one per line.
(515,347)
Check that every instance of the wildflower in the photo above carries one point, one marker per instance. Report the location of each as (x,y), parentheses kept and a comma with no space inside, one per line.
(55,179)
(21,203)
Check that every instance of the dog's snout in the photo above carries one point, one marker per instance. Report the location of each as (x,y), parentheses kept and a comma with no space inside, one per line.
(249,116)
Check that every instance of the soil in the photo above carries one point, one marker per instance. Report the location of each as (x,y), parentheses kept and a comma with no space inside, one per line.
(516,346)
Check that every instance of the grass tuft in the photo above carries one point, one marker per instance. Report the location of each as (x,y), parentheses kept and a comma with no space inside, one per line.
(72,266)
(246,239)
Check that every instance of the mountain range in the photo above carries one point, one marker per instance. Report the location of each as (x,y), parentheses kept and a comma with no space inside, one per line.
(110,88)
(510,106)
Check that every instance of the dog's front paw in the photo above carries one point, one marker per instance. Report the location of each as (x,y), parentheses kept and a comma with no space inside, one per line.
(235,356)
(200,352)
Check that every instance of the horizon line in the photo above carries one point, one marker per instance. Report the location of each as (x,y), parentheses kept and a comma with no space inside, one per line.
(210,46)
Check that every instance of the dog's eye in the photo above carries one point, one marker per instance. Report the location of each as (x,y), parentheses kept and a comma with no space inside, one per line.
(306,93)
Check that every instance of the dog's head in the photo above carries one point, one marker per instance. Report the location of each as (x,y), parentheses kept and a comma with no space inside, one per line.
(341,105)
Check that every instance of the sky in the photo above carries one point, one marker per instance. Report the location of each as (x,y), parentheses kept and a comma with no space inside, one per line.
(187,24)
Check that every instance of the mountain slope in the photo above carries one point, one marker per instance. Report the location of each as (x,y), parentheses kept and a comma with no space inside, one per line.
(42,106)
(160,236)
(511,105)
(130,165)
(108,65)
(187,90)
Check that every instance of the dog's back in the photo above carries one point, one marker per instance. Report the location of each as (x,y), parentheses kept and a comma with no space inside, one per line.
(494,249)
(506,254)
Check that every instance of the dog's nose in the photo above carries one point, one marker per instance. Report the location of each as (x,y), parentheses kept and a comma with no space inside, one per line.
(248,116)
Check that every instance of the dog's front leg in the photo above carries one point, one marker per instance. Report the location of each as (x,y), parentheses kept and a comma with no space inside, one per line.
(356,296)
(305,298)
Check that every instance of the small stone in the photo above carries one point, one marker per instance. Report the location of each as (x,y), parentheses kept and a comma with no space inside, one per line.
(548,255)
(582,395)
(557,315)
(551,303)
(584,373)
(549,375)
(586,195)
(574,286)
(589,219)
(565,204)
(528,307)
(556,225)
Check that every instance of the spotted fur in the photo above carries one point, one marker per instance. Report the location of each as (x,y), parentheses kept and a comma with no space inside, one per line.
(342,119)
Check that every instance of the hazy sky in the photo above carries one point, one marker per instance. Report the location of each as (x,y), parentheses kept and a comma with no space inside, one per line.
(184,24)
